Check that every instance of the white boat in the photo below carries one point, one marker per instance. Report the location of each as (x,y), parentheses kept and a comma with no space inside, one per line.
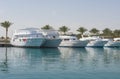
(51,37)
(29,37)
(72,41)
(113,43)
(95,41)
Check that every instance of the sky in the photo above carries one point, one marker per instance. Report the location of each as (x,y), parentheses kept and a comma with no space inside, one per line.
(90,14)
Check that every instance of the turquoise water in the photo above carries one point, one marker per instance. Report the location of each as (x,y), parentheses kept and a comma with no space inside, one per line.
(59,63)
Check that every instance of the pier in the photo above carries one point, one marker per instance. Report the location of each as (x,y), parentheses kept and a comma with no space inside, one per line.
(5,44)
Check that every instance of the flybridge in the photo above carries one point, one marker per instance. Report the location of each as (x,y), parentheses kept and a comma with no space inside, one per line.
(27,31)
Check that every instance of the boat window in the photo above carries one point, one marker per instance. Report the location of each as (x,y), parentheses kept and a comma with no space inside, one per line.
(53,36)
(73,39)
(117,40)
(66,39)
(28,35)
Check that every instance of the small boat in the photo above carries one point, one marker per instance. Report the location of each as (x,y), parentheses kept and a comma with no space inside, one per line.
(72,41)
(51,38)
(29,37)
(95,41)
(113,43)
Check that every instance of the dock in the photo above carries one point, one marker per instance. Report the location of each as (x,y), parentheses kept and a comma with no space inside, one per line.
(5,44)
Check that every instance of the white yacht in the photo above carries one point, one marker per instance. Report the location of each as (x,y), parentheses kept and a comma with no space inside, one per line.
(95,41)
(72,41)
(29,37)
(51,38)
(113,43)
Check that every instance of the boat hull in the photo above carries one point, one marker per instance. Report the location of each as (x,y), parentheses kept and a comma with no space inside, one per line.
(113,44)
(96,43)
(52,43)
(30,42)
(73,43)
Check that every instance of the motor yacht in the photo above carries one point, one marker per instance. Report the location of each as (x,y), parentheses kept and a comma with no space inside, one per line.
(113,43)
(72,41)
(29,37)
(95,41)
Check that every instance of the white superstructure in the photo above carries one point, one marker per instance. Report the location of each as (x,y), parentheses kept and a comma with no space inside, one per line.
(113,43)
(29,37)
(72,41)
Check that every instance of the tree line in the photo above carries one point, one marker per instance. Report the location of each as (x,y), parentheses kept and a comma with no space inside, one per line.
(64,29)
(108,33)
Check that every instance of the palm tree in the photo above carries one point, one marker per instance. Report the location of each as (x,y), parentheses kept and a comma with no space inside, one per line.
(107,32)
(94,31)
(64,29)
(6,25)
(116,33)
(82,30)
(47,27)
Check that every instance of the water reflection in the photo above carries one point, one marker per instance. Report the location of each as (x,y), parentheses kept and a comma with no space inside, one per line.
(4,62)
(47,59)
(71,58)
(35,58)
(112,55)
(103,57)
